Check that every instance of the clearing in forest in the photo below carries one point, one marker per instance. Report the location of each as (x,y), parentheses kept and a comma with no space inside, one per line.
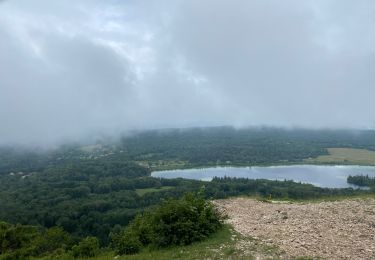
(346,156)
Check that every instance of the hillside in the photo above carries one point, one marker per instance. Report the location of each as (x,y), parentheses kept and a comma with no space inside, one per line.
(89,191)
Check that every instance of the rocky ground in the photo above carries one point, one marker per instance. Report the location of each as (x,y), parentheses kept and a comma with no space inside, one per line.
(329,230)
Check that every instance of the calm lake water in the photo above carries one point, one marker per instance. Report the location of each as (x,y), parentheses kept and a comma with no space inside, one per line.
(322,176)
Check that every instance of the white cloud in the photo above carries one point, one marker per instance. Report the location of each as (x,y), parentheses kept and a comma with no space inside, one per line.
(71,68)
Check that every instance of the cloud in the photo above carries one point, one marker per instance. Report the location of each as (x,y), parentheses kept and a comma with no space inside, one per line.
(272,59)
(69,69)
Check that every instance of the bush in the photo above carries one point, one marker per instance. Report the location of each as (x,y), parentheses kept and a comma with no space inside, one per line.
(174,222)
(126,243)
(23,242)
(51,240)
(16,240)
(88,247)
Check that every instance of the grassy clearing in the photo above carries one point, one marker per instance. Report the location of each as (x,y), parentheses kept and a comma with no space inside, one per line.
(220,245)
(345,156)
(91,148)
(142,192)
(340,156)
(225,244)
(162,165)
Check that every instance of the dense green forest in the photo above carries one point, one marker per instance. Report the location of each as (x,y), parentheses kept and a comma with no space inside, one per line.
(87,192)
(362,180)
(192,147)
(174,222)
(252,146)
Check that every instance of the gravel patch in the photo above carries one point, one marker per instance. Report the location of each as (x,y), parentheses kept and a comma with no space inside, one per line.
(331,230)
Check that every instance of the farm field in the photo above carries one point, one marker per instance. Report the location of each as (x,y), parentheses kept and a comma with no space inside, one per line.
(345,156)
(142,192)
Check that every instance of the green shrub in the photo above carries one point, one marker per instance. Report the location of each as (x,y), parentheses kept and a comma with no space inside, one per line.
(174,222)
(88,247)
(126,243)
(16,240)
(21,242)
(51,240)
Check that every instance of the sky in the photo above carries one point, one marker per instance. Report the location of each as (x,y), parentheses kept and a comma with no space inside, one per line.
(72,68)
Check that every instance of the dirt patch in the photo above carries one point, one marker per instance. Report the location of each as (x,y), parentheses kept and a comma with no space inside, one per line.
(331,230)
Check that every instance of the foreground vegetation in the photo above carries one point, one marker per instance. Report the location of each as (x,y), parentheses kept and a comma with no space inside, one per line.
(226,243)
(173,223)
(21,242)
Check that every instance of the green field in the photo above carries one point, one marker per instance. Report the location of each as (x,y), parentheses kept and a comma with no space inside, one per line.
(345,156)
(162,165)
(142,192)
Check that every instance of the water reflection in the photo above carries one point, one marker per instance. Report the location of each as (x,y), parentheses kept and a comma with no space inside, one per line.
(322,176)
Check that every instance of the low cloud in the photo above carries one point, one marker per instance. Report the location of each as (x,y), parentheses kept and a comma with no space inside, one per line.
(71,69)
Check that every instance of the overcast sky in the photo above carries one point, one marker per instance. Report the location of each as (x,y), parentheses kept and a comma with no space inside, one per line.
(71,68)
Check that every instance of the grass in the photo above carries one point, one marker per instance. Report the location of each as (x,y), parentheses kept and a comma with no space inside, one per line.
(90,148)
(224,244)
(220,245)
(345,156)
(142,192)
(162,165)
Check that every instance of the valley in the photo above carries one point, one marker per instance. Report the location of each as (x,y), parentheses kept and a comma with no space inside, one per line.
(89,193)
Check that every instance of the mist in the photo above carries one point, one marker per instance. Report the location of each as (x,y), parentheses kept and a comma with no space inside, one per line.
(73,69)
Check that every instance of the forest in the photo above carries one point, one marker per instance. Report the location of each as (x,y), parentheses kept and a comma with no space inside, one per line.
(77,195)
(191,147)
(362,180)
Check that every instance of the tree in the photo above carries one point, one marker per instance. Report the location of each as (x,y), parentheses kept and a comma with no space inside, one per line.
(174,222)
(51,240)
(88,247)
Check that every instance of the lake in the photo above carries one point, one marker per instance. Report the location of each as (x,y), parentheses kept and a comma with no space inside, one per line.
(321,176)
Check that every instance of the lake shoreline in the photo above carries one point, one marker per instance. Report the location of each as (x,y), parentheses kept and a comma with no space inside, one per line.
(240,165)
(325,176)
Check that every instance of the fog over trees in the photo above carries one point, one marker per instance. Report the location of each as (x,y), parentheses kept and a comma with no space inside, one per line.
(73,68)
